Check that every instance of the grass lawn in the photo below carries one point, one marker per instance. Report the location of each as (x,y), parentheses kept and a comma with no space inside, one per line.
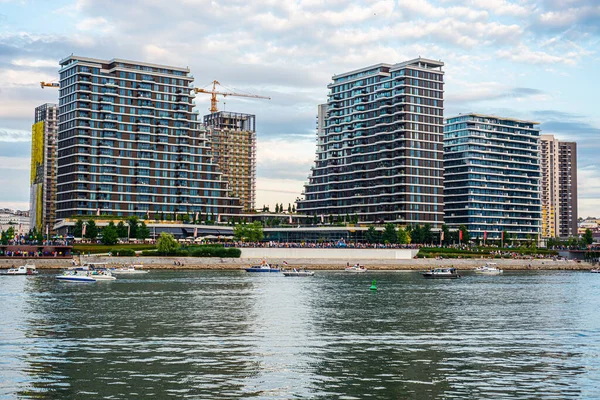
(100,248)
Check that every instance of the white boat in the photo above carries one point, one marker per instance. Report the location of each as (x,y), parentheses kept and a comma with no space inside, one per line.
(488,269)
(75,276)
(27,269)
(441,273)
(595,271)
(297,272)
(132,269)
(355,268)
(83,274)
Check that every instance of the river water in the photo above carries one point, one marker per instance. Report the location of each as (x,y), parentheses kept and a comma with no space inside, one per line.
(229,334)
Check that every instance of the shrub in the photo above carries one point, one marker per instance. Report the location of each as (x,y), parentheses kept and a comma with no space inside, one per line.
(123,252)
(217,252)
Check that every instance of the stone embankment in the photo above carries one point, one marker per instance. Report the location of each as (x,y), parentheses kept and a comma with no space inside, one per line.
(315,264)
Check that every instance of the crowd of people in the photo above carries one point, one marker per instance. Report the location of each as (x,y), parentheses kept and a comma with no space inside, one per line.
(322,245)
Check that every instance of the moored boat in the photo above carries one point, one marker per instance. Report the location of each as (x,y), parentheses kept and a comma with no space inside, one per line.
(298,272)
(488,269)
(441,273)
(595,271)
(101,275)
(355,268)
(131,269)
(27,269)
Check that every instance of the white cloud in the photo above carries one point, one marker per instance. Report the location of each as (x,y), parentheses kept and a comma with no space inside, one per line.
(99,24)
(21,163)
(35,63)
(14,135)
(502,7)
(524,54)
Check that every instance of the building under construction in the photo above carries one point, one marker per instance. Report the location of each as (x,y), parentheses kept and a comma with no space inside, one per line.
(42,200)
(232,140)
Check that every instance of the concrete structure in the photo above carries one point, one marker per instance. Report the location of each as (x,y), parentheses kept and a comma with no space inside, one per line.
(232,139)
(380,146)
(343,254)
(559,187)
(42,197)
(492,177)
(130,144)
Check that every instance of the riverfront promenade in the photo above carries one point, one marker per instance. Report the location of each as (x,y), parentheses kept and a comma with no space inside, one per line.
(314,264)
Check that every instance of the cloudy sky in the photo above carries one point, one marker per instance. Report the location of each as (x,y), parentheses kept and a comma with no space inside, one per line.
(527,59)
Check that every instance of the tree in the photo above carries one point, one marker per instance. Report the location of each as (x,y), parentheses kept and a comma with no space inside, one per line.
(294,208)
(143,232)
(372,236)
(133,223)
(416,235)
(78,228)
(121,230)
(39,236)
(10,233)
(289,208)
(166,243)
(389,234)
(402,236)
(426,234)
(249,232)
(588,237)
(109,234)
(91,231)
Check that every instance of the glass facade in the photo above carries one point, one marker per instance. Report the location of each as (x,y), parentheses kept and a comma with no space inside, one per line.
(380,146)
(129,143)
(492,176)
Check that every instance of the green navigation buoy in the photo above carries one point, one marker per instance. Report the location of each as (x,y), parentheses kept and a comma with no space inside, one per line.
(374,285)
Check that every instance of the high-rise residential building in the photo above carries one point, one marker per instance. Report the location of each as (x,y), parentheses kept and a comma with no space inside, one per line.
(492,177)
(567,182)
(559,187)
(42,196)
(130,143)
(380,150)
(232,140)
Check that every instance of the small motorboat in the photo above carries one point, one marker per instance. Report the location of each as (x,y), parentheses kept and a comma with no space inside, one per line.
(355,268)
(298,272)
(27,269)
(262,268)
(441,273)
(132,269)
(595,271)
(488,269)
(101,275)
(75,276)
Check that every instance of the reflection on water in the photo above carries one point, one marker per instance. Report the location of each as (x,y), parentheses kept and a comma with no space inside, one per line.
(229,334)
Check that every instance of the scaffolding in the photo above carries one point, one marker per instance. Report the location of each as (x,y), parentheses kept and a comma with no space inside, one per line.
(232,140)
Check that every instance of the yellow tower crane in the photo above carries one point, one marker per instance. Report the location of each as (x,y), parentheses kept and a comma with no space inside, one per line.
(49,84)
(214,93)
